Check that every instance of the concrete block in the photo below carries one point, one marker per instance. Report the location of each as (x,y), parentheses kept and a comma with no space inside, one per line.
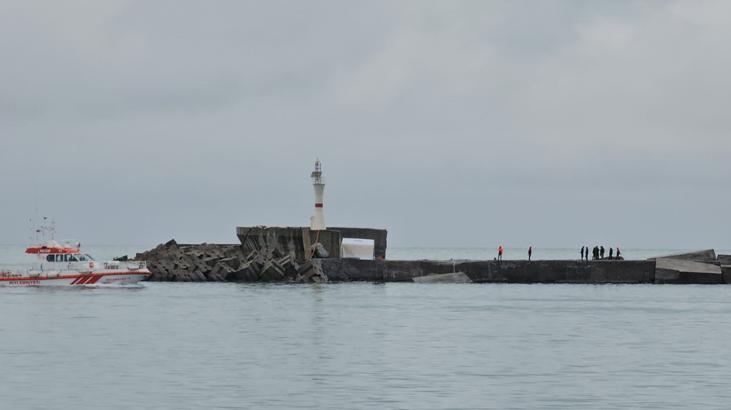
(458,277)
(687,272)
(708,256)
(295,241)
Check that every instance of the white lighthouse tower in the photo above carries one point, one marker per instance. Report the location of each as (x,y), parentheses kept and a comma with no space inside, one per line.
(317,221)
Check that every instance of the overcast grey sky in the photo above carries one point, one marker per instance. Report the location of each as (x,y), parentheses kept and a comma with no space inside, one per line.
(451,123)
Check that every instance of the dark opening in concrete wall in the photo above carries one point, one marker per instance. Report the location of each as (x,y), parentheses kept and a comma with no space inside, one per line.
(379,237)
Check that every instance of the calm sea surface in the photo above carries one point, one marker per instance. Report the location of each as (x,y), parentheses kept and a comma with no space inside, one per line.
(366,346)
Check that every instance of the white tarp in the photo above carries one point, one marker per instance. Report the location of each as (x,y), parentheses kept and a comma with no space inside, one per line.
(358,248)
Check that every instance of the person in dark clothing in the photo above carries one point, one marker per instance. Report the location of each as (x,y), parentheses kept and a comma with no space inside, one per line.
(586,252)
(611,253)
(618,253)
(601,253)
(582,253)
(595,253)
(530,252)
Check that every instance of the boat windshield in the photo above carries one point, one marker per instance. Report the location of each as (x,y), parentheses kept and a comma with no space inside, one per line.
(68,258)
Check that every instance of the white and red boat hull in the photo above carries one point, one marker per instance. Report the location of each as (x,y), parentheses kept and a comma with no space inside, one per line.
(75,279)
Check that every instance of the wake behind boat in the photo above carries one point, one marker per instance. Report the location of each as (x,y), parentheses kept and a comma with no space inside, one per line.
(60,265)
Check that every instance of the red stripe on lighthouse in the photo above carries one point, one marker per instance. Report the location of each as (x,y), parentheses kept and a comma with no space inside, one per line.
(318,205)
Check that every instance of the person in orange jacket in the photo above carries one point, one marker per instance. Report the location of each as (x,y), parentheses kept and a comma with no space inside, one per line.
(500,251)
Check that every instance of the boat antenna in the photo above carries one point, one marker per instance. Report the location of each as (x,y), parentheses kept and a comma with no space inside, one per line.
(47,231)
(33,231)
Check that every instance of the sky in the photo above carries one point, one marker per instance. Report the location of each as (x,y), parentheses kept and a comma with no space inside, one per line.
(451,124)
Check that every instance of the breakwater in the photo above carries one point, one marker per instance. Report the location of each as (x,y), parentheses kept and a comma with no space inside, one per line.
(256,262)
(556,271)
(173,262)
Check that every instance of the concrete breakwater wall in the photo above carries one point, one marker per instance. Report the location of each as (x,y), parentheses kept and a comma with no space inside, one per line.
(236,263)
(554,271)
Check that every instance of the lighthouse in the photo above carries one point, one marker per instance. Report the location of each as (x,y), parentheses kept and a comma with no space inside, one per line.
(317,221)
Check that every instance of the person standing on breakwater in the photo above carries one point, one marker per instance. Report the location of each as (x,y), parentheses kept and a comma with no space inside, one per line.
(611,253)
(601,252)
(618,253)
(530,252)
(586,253)
(500,250)
(595,253)
(582,253)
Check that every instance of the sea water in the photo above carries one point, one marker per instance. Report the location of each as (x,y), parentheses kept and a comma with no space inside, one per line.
(366,346)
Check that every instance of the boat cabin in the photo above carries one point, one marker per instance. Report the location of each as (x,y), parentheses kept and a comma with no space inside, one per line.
(53,252)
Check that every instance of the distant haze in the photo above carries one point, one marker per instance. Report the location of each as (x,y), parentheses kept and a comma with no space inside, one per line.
(451,123)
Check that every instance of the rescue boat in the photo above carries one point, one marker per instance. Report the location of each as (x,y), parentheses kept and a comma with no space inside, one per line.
(63,265)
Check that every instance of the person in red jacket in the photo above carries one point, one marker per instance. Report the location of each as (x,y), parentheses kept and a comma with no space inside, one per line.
(500,251)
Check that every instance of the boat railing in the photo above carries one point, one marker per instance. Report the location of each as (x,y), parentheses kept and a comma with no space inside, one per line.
(13,272)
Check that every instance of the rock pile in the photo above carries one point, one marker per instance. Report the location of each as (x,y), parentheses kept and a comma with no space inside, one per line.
(173,262)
